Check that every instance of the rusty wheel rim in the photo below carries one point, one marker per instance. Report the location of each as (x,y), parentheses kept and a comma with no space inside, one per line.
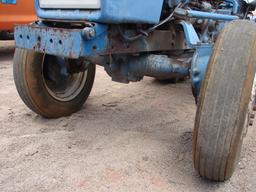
(60,84)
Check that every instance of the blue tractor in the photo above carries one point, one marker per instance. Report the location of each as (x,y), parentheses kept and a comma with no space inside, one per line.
(211,42)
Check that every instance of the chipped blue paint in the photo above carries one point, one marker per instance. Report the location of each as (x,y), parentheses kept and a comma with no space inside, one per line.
(61,42)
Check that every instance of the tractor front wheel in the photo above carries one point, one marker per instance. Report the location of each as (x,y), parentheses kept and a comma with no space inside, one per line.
(50,85)
(221,118)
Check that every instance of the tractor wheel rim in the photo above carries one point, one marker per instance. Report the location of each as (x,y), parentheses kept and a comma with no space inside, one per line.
(62,87)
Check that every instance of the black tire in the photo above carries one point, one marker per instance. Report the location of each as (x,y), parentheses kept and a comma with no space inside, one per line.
(223,102)
(28,76)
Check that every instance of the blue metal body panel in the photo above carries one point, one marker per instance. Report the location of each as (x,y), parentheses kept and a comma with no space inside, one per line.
(112,11)
(70,43)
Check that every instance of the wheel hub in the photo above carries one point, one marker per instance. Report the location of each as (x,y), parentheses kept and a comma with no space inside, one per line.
(60,83)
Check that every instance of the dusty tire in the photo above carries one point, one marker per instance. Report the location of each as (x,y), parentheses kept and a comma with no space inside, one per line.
(223,102)
(31,85)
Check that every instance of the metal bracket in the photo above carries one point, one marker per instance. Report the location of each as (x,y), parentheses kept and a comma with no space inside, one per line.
(201,56)
(199,65)
(71,43)
(191,36)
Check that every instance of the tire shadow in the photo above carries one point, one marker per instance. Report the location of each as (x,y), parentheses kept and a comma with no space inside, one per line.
(6,50)
(6,53)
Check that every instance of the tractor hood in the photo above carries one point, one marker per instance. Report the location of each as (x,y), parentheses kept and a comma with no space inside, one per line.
(104,11)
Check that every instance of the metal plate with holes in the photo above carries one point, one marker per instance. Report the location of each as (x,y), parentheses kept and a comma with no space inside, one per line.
(58,41)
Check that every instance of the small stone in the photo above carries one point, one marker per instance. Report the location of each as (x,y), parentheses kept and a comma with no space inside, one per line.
(65,125)
(181,156)
(114,104)
(28,114)
(241,166)
(250,122)
(32,153)
(145,158)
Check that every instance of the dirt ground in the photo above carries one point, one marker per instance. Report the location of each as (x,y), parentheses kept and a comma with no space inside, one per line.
(127,138)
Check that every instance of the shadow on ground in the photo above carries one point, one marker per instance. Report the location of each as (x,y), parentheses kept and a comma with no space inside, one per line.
(7,49)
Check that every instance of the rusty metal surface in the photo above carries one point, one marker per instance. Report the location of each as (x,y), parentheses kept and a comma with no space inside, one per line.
(72,43)
(69,43)
(159,40)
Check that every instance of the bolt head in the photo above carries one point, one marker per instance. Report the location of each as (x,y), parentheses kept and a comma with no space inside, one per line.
(89,33)
(92,33)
